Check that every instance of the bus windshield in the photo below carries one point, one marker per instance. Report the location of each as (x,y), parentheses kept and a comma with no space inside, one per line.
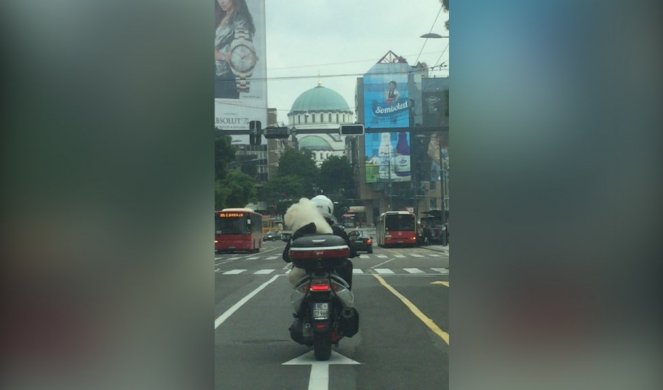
(399,222)
(231,226)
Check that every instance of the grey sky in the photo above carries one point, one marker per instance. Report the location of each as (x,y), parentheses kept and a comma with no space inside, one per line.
(327,37)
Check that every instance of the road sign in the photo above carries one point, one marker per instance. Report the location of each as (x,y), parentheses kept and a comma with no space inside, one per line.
(277,132)
(352,129)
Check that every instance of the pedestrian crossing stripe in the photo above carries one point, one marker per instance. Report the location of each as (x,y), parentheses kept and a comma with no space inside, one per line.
(356,271)
(399,256)
(252,258)
(234,272)
(417,255)
(441,270)
(382,256)
(272,257)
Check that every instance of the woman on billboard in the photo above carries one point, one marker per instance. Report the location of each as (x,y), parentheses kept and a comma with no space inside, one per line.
(234,54)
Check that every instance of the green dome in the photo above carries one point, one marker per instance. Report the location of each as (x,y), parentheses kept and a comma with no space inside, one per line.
(314,142)
(319,99)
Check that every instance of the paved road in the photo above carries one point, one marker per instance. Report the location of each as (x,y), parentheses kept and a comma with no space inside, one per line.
(402,297)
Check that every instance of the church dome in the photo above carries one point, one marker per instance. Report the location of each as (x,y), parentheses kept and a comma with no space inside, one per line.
(314,142)
(319,99)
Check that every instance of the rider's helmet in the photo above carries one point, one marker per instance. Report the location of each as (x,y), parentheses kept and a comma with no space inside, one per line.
(324,205)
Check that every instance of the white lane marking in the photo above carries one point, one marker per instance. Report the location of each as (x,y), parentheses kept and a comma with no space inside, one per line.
(252,258)
(400,256)
(441,270)
(382,256)
(357,271)
(241,302)
(234,272)
(364,256)
(383,263)
(416,255)
(272,257)
(414,270)
(264,272)
(384,271)
(319,378)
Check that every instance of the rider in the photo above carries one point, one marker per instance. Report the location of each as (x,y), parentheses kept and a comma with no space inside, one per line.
(326,208)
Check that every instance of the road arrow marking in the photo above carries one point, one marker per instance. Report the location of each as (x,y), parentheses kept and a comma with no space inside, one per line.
(319,379)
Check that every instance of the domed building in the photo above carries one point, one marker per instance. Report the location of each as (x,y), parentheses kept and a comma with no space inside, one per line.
(320,108)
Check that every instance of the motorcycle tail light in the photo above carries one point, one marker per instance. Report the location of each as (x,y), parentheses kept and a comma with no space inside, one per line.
(320,287)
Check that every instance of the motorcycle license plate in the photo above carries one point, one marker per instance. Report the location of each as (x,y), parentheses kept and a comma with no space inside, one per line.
(320,310)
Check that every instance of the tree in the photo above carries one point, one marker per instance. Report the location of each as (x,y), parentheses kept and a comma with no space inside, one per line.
(299,163)
(235,190)
(224,153)
(336,177)
(445,4)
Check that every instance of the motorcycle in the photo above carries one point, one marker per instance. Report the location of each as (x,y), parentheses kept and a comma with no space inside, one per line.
(323,301)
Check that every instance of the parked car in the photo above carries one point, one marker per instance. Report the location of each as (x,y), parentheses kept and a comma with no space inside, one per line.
(361,241)
(272,236)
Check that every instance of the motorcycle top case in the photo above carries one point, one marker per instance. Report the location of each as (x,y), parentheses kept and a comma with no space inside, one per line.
(310,248)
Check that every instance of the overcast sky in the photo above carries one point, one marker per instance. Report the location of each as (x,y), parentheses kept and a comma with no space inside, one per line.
(331,37)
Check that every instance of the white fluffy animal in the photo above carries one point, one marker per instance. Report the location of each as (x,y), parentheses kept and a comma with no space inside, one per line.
(304,212)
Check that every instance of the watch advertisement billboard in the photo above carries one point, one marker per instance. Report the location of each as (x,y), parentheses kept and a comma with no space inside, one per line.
(387,157)
(386,101)
(240,82)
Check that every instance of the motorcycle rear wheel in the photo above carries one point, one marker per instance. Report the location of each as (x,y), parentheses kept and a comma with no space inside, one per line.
(322,347)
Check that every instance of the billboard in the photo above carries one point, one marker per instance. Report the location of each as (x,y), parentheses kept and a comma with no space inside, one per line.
(387,157)
(435,109)
(386,101)
(240,82)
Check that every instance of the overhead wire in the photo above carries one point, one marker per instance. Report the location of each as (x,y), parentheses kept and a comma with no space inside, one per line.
(431,30)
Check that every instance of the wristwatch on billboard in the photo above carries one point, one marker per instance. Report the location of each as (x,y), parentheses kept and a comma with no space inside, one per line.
(242,58)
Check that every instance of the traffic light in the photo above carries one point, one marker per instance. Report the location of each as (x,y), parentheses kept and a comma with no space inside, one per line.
(277,132)
(255,137)
(352,129)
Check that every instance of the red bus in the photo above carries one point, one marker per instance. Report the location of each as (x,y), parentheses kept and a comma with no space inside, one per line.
(397,228)
(237,230)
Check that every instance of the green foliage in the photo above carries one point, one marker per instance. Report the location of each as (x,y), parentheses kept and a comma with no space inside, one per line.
(299,163)
(235,190)
(336,177)
(224,153)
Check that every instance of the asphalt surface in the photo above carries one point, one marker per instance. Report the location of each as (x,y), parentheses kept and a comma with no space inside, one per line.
(402,297)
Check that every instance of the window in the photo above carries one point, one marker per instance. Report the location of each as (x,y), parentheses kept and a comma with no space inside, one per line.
(313,118)
(305,118)
(337,118)
(433,203)
(299,119)
(329,118)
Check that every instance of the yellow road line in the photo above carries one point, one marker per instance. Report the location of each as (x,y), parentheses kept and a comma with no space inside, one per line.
(440,283)
(415,310)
